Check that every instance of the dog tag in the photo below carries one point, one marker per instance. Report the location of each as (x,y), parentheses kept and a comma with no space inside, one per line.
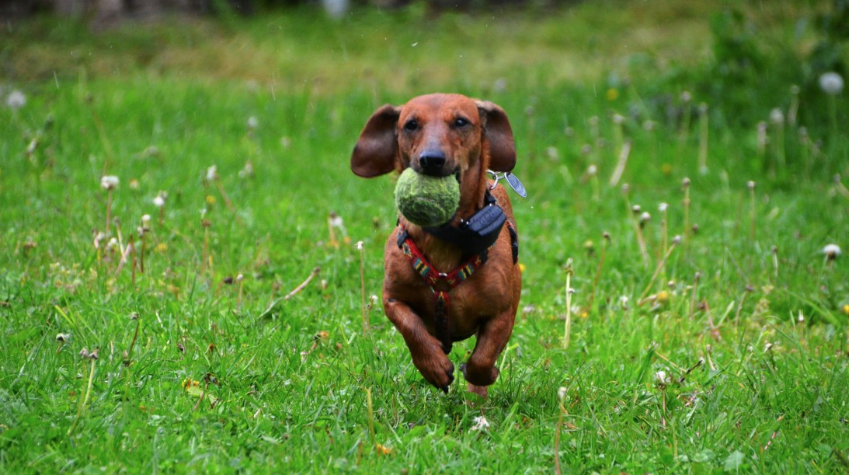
(516,185)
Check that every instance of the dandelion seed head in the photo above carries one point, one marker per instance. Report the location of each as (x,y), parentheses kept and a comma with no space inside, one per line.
(831,83)
(16,99)
(592,170)
(561,393)
(832,251)
(109,182)
(479,423)
(253,123)
(159,200)
(212,173)
(661,378)
(776,116)
(662,207)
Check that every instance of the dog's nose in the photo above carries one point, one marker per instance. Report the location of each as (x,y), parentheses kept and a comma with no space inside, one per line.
(432,162)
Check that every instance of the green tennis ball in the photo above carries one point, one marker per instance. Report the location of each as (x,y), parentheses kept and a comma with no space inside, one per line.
(427,201)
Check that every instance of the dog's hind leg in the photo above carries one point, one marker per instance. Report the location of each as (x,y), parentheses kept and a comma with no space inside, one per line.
(426,350)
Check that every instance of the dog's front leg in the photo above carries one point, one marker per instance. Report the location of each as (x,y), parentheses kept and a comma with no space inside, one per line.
(425,349)
(480,370)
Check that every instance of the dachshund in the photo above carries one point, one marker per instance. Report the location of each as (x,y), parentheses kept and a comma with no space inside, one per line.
(445,284)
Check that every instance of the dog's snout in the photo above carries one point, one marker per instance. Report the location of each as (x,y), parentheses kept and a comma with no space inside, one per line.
(432,162)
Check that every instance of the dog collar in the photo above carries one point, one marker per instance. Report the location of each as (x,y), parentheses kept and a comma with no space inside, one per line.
(477,233)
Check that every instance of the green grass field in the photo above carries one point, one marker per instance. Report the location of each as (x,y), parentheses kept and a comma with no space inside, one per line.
(747,319)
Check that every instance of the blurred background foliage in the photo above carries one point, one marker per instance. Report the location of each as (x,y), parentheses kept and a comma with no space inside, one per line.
(739,57)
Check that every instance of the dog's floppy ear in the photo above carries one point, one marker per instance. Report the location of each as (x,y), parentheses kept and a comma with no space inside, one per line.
(499,135)
(377,146)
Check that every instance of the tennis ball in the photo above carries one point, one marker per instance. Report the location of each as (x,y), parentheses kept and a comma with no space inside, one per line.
(427,201)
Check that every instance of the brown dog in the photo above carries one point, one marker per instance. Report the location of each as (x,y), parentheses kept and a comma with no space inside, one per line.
(438,290)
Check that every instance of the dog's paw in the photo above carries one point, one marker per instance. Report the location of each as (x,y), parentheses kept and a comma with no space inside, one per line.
(436,368)
(479,390)
(479,376)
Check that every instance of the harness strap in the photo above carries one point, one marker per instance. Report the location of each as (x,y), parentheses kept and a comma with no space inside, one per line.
(440,283)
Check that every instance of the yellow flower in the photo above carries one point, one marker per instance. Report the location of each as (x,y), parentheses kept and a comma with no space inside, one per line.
(521,268)
(666,169)
(662,297)
(381,450)
(612,94)
(161,247)
(846,309)
(210,199)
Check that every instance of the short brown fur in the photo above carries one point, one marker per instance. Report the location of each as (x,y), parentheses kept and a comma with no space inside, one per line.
(485,304)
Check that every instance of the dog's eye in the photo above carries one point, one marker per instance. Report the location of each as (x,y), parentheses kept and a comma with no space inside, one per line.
(411,125)
(460,122)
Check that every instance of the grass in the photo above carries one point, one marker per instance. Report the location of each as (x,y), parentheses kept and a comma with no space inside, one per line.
(224,377)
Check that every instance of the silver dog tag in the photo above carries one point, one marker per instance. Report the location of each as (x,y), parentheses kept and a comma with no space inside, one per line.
(516,185)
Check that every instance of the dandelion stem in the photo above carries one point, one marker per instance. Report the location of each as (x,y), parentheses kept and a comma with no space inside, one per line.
(303,284)
(143,249)
(85,398)
(665,225)
(133,343)
(686,232)
(621,163)
(693,296)
(363,286)
(132,246)
(568,326)
(598,270)
(703,138)
(557,439)
(206,258)
(752,211)
(108,210)
(290,294)
(370,418)
(660,266)
(200,399)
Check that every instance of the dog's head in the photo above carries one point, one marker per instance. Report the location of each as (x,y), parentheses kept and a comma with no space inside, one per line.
(438,135)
